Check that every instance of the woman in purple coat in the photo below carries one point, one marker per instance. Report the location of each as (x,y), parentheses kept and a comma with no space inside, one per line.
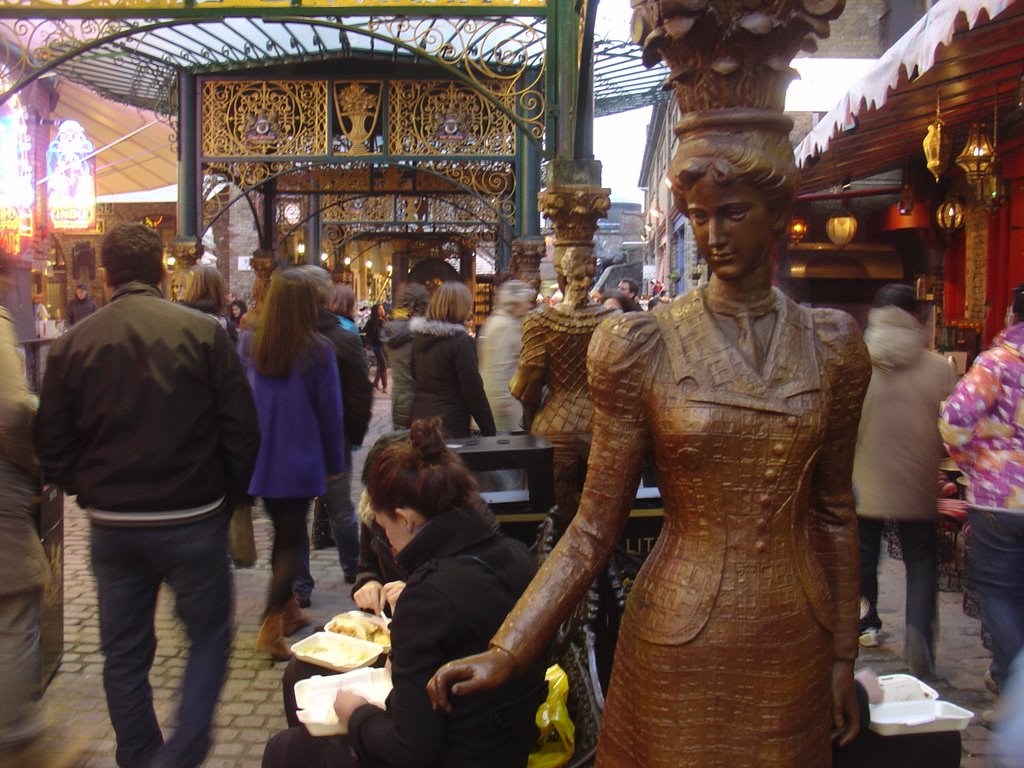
(298,402)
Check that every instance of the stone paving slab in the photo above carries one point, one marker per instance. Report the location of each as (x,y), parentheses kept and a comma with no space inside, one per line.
(250,710)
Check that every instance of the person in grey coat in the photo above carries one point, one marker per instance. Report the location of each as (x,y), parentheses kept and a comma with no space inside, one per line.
(896,466)
(24,570)
(498,346)
(397,338)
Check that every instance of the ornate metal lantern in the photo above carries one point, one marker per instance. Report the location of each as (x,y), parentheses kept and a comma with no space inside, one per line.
(937,143)
(976,156)
(950,215)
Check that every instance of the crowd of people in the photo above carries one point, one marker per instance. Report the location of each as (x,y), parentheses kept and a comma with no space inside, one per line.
(215,405)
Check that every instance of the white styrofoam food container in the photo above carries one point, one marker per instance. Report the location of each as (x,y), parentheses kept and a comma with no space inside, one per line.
(338,652)
(905,688)
(924,716)
(314,697)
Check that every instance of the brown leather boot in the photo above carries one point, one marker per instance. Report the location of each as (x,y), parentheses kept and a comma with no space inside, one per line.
(294,618)
(270,638)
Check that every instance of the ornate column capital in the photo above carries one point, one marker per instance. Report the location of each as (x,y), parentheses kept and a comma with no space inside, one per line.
(186,252)
(574,211)
(527,253)
(262,263)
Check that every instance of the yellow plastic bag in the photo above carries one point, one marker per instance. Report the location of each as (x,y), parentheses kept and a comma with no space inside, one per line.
(557,732)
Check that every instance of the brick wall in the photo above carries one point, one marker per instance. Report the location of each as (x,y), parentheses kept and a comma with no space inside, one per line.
(857,33)
(237,236)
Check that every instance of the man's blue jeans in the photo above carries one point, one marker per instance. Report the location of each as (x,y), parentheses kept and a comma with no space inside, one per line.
(130,564)
(996,565)
(344,522)
(919,543)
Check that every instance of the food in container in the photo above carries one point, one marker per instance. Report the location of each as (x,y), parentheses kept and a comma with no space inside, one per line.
(905,688)
(338,652)
(362,626)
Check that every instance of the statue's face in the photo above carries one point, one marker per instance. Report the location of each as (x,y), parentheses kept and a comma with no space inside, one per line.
(732,225)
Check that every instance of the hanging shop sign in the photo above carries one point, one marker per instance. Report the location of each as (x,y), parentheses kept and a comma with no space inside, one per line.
(17,191)
(71,179)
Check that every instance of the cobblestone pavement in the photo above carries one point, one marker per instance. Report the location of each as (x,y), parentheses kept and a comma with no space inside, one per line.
(250,709)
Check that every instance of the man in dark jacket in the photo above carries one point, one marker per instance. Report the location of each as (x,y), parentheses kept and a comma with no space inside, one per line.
(357,401)
(145,413)
(79,307)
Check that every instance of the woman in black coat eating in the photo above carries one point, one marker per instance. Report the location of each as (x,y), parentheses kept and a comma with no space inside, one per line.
(463,579)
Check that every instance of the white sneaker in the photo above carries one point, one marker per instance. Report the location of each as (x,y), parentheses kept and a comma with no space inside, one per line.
(869,637)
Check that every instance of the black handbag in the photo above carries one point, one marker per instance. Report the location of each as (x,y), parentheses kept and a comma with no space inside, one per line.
(323,534)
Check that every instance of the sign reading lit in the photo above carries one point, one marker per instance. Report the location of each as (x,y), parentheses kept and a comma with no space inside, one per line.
(71,178)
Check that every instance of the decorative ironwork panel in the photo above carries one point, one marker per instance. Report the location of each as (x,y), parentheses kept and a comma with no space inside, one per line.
(371,208)
(510,52)
(150,6)
(290,211)
(454,191)
(357,109)
(413,209)
(428,117)
(267,117)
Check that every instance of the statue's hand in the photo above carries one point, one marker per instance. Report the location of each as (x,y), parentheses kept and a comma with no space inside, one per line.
(845,715)
(472,674)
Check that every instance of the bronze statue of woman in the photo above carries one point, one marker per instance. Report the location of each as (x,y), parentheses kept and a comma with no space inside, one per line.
(739,636)
(551,379)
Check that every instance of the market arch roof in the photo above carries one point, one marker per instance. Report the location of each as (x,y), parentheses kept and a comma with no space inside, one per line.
(135,61)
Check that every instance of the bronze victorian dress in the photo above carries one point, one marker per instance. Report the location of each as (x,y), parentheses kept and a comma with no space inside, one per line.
(552,378)
(725,651)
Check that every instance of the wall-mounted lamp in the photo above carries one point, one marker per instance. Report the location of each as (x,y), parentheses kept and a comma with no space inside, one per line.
(369,264)
(347,261)
(324,257)
(389,268)
(300,249)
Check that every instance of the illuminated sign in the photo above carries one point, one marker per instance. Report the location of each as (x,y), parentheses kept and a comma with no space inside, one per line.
(17,194)
(71,178)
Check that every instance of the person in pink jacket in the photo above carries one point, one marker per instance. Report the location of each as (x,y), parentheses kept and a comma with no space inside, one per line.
(982,425)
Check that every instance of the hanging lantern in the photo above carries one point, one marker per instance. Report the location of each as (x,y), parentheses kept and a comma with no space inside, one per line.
(993,185)
(976,156)
(797,230)
(950,214)
(937,144)
(841,229)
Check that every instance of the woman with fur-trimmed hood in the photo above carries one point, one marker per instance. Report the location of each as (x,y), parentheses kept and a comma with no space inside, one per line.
(448,383)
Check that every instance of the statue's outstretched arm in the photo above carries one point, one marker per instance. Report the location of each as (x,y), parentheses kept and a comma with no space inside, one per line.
(617,364)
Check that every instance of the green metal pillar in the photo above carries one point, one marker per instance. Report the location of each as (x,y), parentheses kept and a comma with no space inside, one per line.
(188,158)
(314,234)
